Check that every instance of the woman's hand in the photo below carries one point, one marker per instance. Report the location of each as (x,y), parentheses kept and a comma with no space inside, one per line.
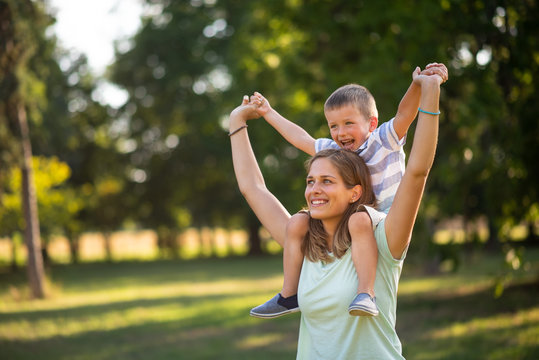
(246,111)
(434,69)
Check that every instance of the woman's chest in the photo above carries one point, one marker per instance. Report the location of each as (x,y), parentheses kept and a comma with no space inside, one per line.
(326,290)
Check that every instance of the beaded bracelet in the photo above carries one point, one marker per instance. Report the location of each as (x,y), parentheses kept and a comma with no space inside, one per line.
(428,112)
(238,129)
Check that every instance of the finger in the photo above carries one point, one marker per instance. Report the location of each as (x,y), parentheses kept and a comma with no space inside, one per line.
(259,96)
(245,100)
(442,72)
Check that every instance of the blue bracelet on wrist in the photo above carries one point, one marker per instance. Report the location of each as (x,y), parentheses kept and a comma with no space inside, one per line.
(428,112)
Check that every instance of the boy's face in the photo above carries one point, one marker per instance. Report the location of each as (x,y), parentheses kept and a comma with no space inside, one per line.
(348,127)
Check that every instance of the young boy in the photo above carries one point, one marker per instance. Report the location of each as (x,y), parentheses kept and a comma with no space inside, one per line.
(352,119)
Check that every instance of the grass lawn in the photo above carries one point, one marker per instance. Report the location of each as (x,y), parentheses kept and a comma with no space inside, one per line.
(198,309)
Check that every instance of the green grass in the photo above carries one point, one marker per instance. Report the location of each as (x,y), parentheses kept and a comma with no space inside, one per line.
(198,309)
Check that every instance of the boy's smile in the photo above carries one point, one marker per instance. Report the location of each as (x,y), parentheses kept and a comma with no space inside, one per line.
(348,127)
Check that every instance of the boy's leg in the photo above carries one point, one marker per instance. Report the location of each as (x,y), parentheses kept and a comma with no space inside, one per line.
(365,259)
(292,254)
(286,302)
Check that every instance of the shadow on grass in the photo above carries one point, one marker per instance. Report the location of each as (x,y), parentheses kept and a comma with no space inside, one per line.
(208,333)
(164,341)
(194,325)
(432,325)
(80,313)
(103,275)
(470,326)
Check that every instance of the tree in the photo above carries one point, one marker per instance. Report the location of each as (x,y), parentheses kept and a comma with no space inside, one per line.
(191,63)
(174,80)
(58,203)
(19,22)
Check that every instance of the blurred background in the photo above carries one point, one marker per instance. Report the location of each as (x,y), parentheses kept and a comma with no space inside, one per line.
(115,159)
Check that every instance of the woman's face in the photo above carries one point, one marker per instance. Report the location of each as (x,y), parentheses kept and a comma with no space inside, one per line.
(326,193)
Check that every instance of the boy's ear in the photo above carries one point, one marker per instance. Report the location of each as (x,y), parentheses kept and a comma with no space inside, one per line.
(373,123)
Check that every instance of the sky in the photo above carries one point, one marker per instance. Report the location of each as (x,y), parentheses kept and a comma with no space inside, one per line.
(91,27)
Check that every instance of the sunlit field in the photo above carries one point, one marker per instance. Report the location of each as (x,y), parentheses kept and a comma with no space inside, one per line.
(141,245)
(137,245)
(198,309)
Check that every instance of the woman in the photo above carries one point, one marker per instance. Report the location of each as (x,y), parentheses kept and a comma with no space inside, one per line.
(328,279)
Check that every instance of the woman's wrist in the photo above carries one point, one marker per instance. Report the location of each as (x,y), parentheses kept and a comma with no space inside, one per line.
(431,83)
(236,123)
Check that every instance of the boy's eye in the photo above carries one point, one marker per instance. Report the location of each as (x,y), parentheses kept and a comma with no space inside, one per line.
(333,126)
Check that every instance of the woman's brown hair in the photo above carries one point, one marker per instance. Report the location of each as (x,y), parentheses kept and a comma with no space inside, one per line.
(353,171)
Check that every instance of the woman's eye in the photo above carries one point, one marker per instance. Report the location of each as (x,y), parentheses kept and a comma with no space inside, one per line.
(310,182)
(327,181)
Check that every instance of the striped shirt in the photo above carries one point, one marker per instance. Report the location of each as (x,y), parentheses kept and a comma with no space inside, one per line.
(384,155)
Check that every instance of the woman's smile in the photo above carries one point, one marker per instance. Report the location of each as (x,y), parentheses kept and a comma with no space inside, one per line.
(325,192)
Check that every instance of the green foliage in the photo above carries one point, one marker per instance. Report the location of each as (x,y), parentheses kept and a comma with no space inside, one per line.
(166,155)
(58,204)
(191,63)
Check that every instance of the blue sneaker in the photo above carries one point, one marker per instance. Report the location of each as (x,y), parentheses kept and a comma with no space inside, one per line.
(363,305)
(275,307)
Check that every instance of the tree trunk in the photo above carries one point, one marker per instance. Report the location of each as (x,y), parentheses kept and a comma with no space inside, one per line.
(46,258)
(32,236)
(74,247)
(108,248)
(255,247)
(532,237)
(14,253)
(167,239)
(493,241)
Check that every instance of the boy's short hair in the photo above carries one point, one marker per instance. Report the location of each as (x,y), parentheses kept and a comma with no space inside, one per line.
(356,95)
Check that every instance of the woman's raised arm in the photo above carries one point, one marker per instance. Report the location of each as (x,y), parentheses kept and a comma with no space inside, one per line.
(402,214)
(265,205)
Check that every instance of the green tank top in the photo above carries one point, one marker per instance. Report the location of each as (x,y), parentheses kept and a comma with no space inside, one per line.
(325,290)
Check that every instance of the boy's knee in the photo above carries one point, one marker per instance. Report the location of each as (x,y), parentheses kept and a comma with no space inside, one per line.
(360,221)
(298,225)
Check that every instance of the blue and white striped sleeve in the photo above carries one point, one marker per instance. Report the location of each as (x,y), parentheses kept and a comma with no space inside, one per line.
(388,136)
(323,144)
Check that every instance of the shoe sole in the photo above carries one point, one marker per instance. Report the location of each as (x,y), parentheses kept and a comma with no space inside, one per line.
(359,311)
(274,315)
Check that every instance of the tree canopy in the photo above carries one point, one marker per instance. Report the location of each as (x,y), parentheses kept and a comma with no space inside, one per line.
(162,160)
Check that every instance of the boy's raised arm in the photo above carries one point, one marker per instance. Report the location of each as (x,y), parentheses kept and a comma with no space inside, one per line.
(407,110)
(293,133)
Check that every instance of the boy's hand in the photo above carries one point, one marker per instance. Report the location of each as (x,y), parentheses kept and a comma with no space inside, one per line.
(262,104)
